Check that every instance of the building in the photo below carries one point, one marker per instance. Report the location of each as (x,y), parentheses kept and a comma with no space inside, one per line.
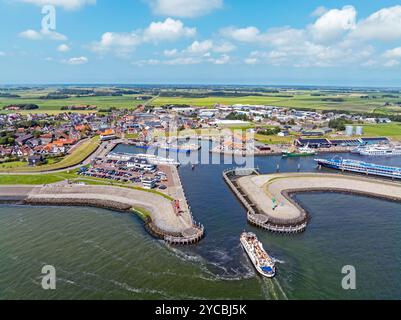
(108,134)
(313,143)
(349,130)
(35,160)
(381,140)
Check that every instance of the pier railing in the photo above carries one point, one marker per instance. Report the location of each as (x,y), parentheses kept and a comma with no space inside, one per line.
(272,224)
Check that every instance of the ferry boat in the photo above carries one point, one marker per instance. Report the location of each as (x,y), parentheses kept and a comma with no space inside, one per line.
(380,150)
(361,167)
(301,152)
(263,263)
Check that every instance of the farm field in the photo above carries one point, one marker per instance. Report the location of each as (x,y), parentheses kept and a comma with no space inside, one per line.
(121,102)
(299,101)
(379,102)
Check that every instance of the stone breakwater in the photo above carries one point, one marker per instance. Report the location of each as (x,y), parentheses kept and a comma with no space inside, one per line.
(163,221)
(269,198)
(256,216)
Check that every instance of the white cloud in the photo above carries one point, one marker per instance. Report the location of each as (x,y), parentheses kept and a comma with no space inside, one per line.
(200,47)
(325,43)
(184,61)
(223,59)
(122,44)
(248,34)
(224,47)
(391,63)
(185,8)
(168,30)
(384,25)
(63,48)
(252,61)
(77,61)
(150,62)
(319,11)
(66,4)
(334,24)
(170,53)
(42,35)
(393,53)
(119,43)
(2,53)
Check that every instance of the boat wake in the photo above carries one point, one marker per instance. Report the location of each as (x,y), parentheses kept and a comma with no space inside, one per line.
(214,271)
(278,261)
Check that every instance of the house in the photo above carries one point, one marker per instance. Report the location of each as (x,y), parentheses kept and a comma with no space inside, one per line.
(35,160)
(284,133)
(108,134)
(23,138)
(383,120)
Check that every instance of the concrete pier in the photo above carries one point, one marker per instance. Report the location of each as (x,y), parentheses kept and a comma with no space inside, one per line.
(163,219)
(269,201)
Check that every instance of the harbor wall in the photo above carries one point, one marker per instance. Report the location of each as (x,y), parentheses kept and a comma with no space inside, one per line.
(258,218)
(163,222)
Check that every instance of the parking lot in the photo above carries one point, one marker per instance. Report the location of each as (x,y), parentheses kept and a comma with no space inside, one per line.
(138,172)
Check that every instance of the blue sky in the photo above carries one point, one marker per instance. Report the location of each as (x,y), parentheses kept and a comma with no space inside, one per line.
(202,41)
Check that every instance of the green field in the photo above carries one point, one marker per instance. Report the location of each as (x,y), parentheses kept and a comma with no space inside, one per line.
(127,101)
(35,179)
(352,102)
(378,102)
(391,130)
(76,157)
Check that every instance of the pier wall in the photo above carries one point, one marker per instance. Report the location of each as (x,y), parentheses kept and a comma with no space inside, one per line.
(260,193)
(255,215)
(163,221)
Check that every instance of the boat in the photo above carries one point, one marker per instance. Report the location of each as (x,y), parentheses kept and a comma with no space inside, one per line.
(380,150)
(263,263)
(301,152)
(360,167)
(150,158)
(157,160)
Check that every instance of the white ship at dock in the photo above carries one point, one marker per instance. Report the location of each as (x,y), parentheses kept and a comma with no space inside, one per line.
(150,158)
(379,150)
(263,263)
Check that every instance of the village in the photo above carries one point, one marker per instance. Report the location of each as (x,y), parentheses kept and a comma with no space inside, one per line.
(41,138)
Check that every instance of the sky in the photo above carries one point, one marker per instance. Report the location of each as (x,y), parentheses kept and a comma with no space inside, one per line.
(287,42)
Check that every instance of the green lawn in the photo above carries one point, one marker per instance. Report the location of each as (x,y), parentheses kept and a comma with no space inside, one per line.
(36,179)
(384,130)
(12,165)
(142,213)
(274,139)
(77,156)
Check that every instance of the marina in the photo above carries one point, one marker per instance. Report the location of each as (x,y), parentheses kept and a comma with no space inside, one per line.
(305,258)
